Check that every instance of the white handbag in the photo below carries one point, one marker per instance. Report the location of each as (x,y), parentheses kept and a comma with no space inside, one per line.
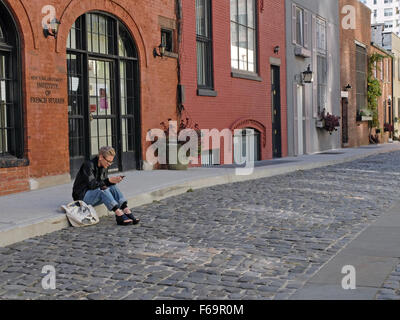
(80,214)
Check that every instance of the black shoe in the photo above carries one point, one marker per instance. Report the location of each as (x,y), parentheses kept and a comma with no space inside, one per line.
(123,220)
(134,220)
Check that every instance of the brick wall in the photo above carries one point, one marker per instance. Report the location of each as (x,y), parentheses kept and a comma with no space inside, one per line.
(358,132)
(13,180)
(386,87)
(238,100)
(46,124)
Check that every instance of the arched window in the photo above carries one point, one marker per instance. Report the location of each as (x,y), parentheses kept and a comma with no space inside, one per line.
(11,124)
(1,35)
(241,148)
(103,91)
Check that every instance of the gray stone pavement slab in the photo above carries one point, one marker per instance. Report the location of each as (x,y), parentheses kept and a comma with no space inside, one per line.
(377,242)
(313,291)
(374,254)
(370,271)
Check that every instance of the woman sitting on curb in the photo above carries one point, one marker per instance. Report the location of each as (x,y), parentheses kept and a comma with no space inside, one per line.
(93,186)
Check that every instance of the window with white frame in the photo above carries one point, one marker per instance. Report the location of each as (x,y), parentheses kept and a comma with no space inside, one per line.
(299,26)
(243,35)
(388,25)
(388,12)
(322,64)
(398,68)
(387,70)
(321,35)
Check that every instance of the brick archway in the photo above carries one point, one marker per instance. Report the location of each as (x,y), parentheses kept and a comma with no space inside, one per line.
(76,8)
(246,123)
(27,34)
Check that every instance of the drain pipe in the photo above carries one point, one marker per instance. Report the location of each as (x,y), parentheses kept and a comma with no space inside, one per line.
(180,89)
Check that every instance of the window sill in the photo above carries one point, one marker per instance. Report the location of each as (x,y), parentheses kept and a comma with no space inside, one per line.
(12,162)
(171,54)
(207,93)
(246,75)
(300,51)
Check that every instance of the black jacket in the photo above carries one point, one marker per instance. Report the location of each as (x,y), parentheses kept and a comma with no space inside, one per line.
(90,177)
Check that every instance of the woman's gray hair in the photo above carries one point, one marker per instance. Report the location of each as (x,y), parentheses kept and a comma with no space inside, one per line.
(107,152)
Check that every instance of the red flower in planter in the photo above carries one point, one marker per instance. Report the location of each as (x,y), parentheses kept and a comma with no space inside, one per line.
(331,122)
(387,127)
(184,124)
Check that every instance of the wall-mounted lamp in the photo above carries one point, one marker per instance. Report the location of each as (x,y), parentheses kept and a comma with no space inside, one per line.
(161,51)
(276,49)
(53,30)
(348,87)
(308,75)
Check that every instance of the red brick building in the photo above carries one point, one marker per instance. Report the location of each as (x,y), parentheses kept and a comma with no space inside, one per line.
(356,50)
(355,46)
(96,83)
(233,70)
(383,72)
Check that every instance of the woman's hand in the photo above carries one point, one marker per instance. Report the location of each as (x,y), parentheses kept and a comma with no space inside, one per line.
(115,180)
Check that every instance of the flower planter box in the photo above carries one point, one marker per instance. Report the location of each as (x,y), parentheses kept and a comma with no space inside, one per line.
(320,124)
(178,166)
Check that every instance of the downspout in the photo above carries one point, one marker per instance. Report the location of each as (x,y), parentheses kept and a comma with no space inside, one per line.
(180,88)
(392,106)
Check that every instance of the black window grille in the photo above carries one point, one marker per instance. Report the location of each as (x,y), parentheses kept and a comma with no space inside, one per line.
(103,87)
(361,77)
(11,121)
(204,44)
(167,39)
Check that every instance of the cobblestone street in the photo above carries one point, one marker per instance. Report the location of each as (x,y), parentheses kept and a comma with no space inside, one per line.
(261,239)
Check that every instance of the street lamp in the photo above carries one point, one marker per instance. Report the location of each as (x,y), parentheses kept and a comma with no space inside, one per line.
(53,31)
(161,51)
(308,75)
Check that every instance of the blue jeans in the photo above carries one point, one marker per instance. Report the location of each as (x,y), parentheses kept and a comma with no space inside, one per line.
(111,197)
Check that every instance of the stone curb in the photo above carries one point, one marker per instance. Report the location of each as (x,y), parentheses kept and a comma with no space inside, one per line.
(49,225)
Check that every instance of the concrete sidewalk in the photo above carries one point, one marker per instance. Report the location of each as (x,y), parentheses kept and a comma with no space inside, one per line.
(35,213)
(374,254)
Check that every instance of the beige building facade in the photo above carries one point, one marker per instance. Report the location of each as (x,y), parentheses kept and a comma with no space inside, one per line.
(395,50)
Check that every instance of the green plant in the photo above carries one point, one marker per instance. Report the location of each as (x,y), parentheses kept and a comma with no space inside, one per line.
(374,90)
(365,113)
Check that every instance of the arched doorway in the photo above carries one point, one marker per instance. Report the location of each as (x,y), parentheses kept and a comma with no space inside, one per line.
(241,148)
(103,91)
